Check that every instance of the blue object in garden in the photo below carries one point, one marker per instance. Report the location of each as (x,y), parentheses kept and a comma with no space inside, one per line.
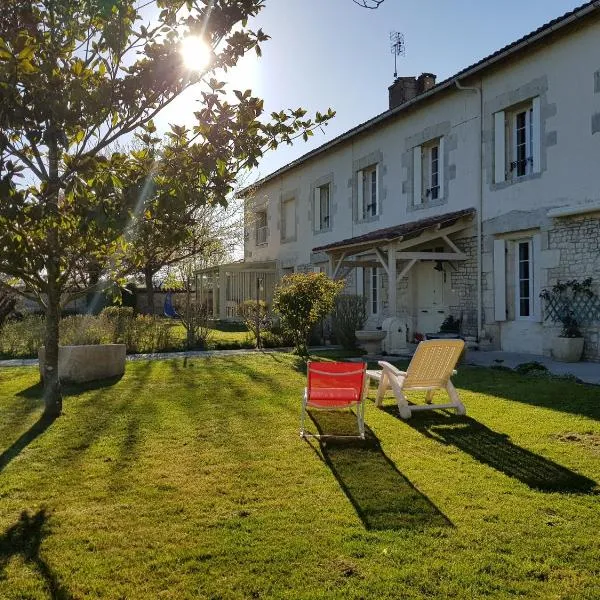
(169,309)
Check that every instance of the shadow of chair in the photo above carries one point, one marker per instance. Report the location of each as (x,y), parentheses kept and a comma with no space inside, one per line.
(24,539)
(497,451)
(382,496)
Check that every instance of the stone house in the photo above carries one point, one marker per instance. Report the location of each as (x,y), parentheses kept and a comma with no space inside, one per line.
(466,198)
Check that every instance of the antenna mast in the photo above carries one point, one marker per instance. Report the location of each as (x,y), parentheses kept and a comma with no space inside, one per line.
(397,48)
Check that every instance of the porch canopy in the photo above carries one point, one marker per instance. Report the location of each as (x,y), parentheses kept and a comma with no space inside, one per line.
(395,248)
(222,288)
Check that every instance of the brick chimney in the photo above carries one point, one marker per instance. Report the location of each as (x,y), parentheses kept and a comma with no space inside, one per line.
(405,89)
(425,82)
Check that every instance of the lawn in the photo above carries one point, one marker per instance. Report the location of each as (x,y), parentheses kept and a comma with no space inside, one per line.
(187,479)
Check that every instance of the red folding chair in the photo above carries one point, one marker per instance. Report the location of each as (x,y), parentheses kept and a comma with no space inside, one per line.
(333,386)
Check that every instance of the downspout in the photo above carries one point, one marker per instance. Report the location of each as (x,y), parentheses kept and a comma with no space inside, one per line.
(478,90)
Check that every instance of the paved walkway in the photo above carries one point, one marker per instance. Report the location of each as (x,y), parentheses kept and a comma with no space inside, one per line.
(586,371)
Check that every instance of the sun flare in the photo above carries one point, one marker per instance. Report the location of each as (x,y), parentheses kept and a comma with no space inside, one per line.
(195,52)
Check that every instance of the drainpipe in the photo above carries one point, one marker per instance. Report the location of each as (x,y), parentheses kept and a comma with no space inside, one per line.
(478,91)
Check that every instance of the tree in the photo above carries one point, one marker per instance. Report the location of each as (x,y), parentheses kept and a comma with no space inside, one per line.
(302,300)
(172,229)
(372,4)
(75,77)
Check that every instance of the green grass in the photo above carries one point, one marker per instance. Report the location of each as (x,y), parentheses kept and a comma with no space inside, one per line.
(187,479)
(221,335)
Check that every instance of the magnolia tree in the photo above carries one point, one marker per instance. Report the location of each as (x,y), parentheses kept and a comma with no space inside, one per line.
(75,77)
(303,300)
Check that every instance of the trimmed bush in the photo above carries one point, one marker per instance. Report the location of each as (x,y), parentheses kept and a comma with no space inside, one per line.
(349,315)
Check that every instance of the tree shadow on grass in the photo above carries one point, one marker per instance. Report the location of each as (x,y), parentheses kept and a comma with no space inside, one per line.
(382,496)
(24,539)
(35,392)
(554,393)
(497,451)
(24,440)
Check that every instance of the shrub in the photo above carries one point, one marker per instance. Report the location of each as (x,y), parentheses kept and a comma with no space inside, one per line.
(349,314)
(148,333)
(450,325)
(255,315)
(22,338)
(81,330)
(118,318)
(302,300)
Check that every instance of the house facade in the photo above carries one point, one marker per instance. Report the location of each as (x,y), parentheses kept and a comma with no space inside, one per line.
(466,198)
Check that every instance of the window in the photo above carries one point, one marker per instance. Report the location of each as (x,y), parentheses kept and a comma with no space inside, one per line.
(288,220)
(371,288)
(517,141)
(322,218)
(261,227)
(428,176)
(524,283)
(521,130)
(368,193)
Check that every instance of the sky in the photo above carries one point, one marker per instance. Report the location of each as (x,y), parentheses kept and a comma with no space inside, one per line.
(332,53)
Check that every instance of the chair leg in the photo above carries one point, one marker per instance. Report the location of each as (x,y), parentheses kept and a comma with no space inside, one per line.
(360,416)
(460,407)
(303,415)
(381,388)
(403,406)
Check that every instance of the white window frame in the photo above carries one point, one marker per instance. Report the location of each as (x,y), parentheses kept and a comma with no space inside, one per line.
(506,137)
(428,167)
(368,189)
(262,231)
(531,279)
(322,220)
(371,288)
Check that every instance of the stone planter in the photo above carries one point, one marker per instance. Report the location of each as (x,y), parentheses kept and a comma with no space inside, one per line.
(567,349)
(370,340)
(79,364)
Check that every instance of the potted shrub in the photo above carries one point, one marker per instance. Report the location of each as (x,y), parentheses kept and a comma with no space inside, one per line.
(559,300)
(568,346)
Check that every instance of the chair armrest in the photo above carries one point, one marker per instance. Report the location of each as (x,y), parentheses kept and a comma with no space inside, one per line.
(387,366)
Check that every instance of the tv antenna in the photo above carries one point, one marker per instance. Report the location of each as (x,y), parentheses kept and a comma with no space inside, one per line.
(397,47)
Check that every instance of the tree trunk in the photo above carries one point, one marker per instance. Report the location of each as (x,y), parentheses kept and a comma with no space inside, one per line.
(148,274)
(52,392)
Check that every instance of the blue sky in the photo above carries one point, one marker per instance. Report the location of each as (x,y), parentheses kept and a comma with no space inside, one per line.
(331,53)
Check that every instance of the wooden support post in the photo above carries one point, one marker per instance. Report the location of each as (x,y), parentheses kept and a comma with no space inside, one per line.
(392,280)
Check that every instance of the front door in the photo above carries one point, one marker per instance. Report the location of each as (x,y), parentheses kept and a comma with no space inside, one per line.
(431,308)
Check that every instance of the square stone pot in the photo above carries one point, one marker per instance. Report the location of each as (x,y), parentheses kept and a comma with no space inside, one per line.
(79,364)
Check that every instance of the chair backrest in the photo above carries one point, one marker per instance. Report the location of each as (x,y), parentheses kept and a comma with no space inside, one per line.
(433,363)
(323,376)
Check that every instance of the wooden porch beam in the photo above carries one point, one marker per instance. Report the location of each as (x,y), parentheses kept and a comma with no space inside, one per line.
(431,256)
(434,235)
(339,264)
(383,259)
(451,244)
(406,269)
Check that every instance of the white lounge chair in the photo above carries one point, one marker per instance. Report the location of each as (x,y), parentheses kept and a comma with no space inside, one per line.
(429,370)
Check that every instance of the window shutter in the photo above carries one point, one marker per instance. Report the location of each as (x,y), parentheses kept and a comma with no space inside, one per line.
(317,209)
(441,169)
(499,148)
(499,280)
(536,249)
(417,176)
(536,135)
(360,214)
(377,196)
